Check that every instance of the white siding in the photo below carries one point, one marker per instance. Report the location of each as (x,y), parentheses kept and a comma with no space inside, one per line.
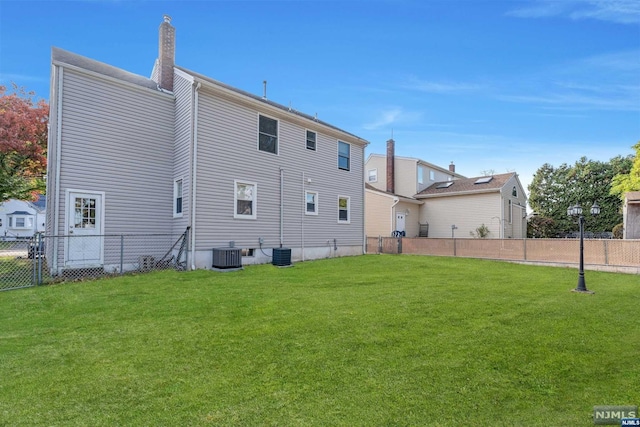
(117,139)
(183,90)
(228,150)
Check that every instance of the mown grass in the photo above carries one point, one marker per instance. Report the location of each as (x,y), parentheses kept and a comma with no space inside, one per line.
(362,341)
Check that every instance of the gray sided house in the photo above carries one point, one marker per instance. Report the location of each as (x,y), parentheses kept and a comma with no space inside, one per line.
(129,154)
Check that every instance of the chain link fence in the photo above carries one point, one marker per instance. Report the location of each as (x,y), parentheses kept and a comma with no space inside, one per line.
(45,259)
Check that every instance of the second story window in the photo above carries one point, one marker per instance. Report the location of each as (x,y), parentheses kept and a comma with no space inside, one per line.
(420,175)
(344,156)
(373,175)
(268,135)
(311,140)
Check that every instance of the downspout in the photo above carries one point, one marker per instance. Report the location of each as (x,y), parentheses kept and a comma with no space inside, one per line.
(501,200)
(393,206)
(281,207)
(56,191)
(304,207)
(194,175)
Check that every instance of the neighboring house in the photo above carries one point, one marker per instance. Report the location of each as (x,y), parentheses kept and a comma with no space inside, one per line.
(631,215)
(414,198)
(21,218)
(129,154)
(458,208)
(404,175)
(387,212)
(392,182)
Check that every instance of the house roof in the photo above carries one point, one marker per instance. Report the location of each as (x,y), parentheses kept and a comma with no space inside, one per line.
(39,204)
(266,101)
(632,197)
(387,193)
(20,213)
(62,56)
(479,184)
(65,57)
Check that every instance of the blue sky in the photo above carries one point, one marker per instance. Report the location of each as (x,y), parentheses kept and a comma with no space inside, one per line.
(490,85)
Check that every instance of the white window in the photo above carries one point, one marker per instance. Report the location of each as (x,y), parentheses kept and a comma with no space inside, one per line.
(344,156)
(373,175)
(22,221)
(177,198)
(245,199)
(311,203)
(432,175)
(268,134)
(311,140)
(420,175)
(344,216)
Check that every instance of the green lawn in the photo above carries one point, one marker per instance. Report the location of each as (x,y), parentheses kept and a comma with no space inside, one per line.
(378,340)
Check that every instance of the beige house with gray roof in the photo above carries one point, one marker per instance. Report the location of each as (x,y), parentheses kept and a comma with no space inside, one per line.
(458,208)
(414,198)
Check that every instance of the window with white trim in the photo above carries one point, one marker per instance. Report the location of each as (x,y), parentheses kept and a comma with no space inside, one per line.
(20,221)
(177,198)
(311,202)
(420,175)
(245,199)
(311,140)
(373,175)
(267,134)
(432,175)
(344,156)
(344,215)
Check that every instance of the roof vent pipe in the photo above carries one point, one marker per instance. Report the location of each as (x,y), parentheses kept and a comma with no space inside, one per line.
(264,89)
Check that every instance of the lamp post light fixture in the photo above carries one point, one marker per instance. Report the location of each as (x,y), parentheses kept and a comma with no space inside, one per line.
(576,212)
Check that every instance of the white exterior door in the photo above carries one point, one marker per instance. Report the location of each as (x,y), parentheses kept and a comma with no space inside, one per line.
(399,222)
(84,244)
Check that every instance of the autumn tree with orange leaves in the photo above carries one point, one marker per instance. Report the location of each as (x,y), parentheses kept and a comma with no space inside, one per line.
(23,144)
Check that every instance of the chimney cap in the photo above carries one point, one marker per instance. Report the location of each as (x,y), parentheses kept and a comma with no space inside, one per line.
(167,19)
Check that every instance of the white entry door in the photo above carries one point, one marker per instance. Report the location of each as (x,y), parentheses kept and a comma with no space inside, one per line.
(399,222)
(84,244)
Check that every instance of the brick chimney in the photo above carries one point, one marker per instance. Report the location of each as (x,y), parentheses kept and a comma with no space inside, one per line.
(391,176)
(452,168)
(166,54)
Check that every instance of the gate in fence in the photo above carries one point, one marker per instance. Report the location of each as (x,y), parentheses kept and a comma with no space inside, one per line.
(44,259)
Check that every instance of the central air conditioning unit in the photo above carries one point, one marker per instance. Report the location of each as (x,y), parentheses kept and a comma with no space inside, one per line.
(227,258)
(281,257)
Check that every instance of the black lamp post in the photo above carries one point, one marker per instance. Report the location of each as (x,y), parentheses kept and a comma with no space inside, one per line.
(576,211)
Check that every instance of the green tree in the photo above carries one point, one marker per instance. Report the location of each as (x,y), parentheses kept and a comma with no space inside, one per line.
(625,182)
(553,190)
(23,144)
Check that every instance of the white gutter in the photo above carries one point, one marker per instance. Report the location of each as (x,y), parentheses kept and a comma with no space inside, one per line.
(194,158)
(56,191)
